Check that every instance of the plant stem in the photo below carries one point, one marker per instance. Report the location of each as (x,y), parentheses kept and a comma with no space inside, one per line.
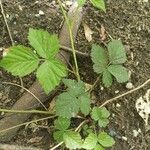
(71,39)
(25,111)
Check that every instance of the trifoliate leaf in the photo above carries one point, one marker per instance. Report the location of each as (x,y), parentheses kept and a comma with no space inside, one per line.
(99,147)
(99,113)
(99,57)
(90,142)
(72,140)
(58,136)
(84,102)
(67,105)
(116,51)
(103,122)
(81,2)
(105,140)
(107,78)
(46,45)
(100,4)
(20,61)
(76,88)
(50,73)
(62,123)
(119,72)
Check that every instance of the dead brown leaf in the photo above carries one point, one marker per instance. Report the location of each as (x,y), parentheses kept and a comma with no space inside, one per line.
(88,32)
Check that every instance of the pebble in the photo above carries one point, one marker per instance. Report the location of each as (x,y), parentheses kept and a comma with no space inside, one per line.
(124,138)
(117,91)
(136,132)
(129,85)
(41,12)
(118,105)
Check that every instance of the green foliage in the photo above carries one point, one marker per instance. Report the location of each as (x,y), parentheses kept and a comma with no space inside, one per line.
(99,147)
(61,125)
(105,140)
(69,103)
(110,64)
(72,140)
(101,115)
(90,142)
(100,4)
(81,2)
(21,60)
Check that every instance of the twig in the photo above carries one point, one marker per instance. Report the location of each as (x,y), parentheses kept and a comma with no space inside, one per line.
(25,111)
(76,130)
(10,83)
(70,50)
(124,94)
(3,14)
(19,125)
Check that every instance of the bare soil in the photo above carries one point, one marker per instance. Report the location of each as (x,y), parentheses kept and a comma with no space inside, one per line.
(125,20)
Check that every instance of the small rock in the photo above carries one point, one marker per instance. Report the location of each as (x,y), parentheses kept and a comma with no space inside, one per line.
(41,12)
(102,88)
(124,138)
(129,85)
(117,91)
(118,105)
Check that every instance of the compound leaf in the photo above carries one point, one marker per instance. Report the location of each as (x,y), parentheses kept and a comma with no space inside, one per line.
(67,105)
(90,142)
(100,4)
(116,51)
(84,102)
(62,123)
(105,140)
(99,57)
(119,72)
(72,140)
(46,45)
(107,78)
(50,73)
(20,61)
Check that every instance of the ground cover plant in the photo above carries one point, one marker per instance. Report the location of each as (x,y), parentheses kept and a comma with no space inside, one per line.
(41,59)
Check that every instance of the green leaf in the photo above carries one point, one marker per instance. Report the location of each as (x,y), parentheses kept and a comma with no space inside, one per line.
(99,147)
(105,140)
(90,142)
(74,87)
(103,122)
(116,51)
(50,74)
(20,61)
(99,57)
(81,2)
(107,78)
(67,105)
(85,103)
(99,113)
(72,140)
(119,72)
(58,136)
(100,4)
(46,45)
(62,123)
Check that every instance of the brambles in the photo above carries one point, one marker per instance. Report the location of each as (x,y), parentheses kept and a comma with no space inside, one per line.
(109,62)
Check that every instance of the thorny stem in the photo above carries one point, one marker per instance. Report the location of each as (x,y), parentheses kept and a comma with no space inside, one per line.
(71,39)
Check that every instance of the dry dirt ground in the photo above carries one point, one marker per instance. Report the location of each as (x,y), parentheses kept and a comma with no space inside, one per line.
(128,20)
